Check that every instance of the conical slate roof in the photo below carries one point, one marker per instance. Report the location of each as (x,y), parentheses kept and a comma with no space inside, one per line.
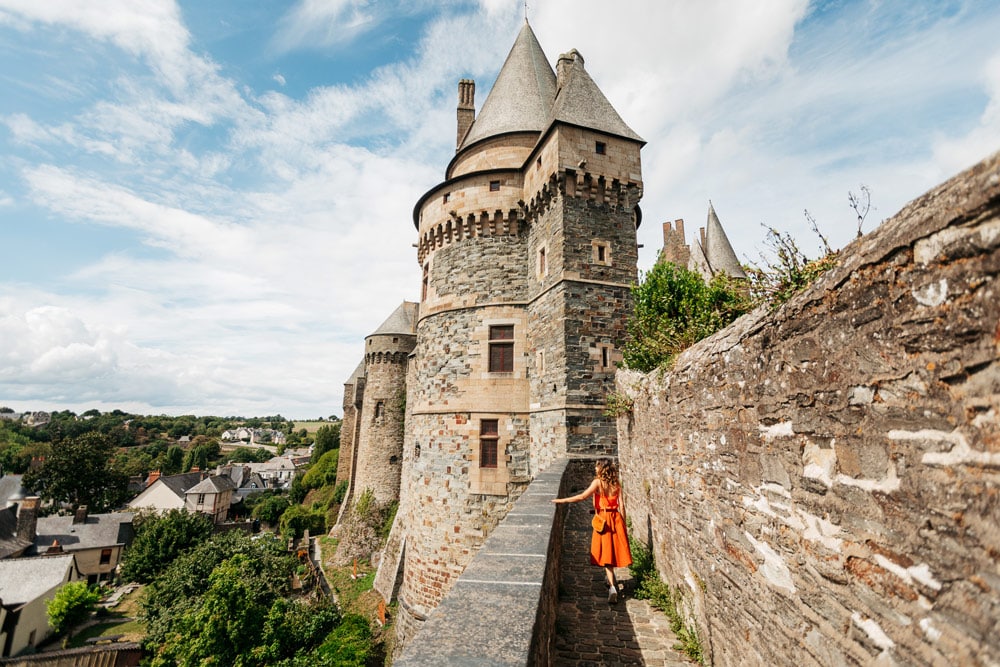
(719,251)
(522,94)
(580,102)
(402,321)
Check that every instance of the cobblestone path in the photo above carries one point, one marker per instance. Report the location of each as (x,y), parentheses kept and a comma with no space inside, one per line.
(592,633)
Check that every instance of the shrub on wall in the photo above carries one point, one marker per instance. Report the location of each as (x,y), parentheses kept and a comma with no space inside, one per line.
(675,308)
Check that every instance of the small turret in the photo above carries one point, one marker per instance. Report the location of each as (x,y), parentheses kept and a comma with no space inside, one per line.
(466,108)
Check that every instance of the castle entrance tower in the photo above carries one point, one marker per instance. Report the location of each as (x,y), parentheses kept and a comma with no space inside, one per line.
(527,250)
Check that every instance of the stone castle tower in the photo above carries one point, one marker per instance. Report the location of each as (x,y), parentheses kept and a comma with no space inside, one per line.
(710,252)
(527,250)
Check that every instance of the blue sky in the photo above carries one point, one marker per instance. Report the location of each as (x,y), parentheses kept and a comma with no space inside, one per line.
(206,206)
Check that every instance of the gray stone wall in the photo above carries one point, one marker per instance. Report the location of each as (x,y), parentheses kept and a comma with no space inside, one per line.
(822,482)
(379,459)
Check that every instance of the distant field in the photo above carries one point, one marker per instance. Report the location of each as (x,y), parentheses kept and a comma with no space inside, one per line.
(311,426)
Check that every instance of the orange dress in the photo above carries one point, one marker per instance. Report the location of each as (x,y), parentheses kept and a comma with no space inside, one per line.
(611,546)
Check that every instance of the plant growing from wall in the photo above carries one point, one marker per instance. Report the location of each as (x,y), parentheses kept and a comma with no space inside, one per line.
(618,405)
(650,587)
(675,308)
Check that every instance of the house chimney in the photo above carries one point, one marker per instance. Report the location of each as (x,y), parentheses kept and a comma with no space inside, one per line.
(466,108)
(81,515)
(563,66)
(153,476)
(55,548)
(27,518)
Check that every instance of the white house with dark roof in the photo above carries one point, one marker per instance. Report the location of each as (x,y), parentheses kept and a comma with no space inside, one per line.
(96,540)
(26,585)
(212,496)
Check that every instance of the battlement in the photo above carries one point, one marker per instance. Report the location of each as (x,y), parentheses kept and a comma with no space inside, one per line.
(469,226)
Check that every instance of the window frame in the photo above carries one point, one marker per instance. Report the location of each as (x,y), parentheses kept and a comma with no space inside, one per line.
(500,343)
(489,443)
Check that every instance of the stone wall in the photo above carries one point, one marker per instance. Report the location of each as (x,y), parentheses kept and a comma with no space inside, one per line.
(822,482)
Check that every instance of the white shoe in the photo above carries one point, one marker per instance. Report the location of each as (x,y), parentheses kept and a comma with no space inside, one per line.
(612,595)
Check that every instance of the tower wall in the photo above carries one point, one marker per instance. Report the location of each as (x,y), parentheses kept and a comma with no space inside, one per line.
(379,461)
(349,428)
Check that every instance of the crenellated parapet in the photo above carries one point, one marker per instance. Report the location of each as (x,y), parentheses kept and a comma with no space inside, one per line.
(619,195)
(469,226)
(385,358)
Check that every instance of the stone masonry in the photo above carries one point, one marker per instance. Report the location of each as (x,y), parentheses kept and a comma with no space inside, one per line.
(822,482)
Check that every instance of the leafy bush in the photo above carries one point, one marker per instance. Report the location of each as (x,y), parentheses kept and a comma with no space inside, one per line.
(71,605)
(650,587)
(323,472)
(270,509)
(675,308)
(297,519)
(160,539)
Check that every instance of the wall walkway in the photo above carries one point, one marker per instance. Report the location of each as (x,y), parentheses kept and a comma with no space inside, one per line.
(531,598)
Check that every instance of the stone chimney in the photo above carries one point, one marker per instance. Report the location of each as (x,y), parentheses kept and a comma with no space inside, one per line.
(27,518)
(81,515)
(563,66)
(466,108)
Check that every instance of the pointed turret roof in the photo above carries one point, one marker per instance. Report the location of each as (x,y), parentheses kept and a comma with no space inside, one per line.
(522,94)
(580,102)
(718,250)
(402,321)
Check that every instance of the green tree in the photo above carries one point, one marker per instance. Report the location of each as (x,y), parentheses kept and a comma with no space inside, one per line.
(79,472)
(327,438)
(71,605)
(270,509)
(675,308)
(173,460)
(297,519)
(249,455)
(160,539)
(323,472)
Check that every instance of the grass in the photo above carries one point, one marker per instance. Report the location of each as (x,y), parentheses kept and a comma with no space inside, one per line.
(356,596)
(312,426)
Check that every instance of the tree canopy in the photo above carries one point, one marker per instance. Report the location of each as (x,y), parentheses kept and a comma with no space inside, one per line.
(79,471)
(160,539)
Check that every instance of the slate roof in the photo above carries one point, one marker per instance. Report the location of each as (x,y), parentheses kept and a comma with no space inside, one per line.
(402,321)
(580,102)
(10,543)
(521,95)
(179,484)
(718,250)
(100,530)
(25,579)
(526,96)
(214,484)
(10,489)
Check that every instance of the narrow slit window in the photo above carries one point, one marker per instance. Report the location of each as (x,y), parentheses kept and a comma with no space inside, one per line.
(489,440)
(379,409)
(542,268)
(423,288)
(446,197)
(605,357)
(501,349)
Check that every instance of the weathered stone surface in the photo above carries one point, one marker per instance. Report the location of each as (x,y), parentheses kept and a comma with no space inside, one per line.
(823,481)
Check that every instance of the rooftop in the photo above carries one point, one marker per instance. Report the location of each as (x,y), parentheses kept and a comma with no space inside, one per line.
(25,579)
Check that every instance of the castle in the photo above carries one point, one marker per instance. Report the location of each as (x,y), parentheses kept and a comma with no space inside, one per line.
(527,250)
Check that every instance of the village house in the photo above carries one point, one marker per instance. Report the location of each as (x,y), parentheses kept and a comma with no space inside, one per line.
(26,586)
(96,540)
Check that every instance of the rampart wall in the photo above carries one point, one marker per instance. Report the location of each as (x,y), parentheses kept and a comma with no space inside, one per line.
(822,482)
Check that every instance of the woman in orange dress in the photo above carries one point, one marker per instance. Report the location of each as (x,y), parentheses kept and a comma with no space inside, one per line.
(609,547)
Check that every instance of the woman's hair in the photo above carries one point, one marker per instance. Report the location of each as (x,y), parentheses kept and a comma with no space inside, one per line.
(607,472)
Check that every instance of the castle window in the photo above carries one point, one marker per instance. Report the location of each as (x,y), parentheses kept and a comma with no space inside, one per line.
(379,410)
(494,186)
(502,349)
(543,268)
(446,197)
(601,148)
(601,252)
(540,362)
(538,163)
(605,357)
(423,289)
(489,439)
(105,556)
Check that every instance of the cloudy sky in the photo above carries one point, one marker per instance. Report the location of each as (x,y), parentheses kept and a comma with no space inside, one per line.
(205,206)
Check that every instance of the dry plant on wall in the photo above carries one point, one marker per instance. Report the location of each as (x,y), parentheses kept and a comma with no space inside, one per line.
(785,269)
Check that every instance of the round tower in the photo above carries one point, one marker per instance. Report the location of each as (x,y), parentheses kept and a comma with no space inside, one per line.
(526,255)
(378,453)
